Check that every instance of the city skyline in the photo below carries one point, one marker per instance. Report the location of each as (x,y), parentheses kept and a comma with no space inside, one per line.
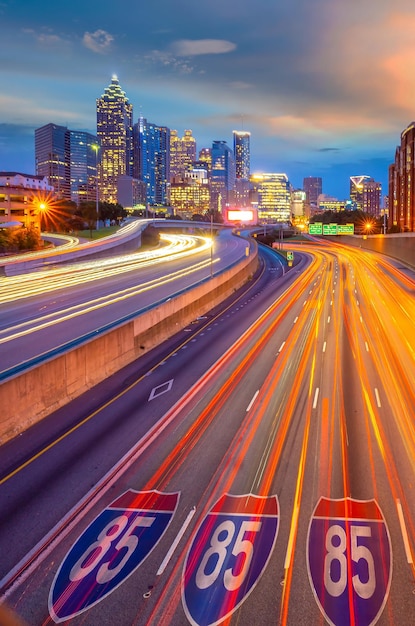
(323,91)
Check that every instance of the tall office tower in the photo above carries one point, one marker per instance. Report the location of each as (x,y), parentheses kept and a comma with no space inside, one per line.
(372,197)
(152,159)
(356,190)
(182,153)
(205,156)
(115,134)
(222,177)
(273,196)
(313,187)
(84,150)
(52,154)
(401,202)
(241,150)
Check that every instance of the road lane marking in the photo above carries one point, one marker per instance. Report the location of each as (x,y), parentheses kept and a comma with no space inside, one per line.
(367,346)
(324,346)
(377,398)
(281,347)
(328,320)
(176,542)
(317,391)
(160,389)
(296,319)
(253,400)
(404,532)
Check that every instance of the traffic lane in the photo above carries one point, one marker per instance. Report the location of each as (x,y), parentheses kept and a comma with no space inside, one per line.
(88,453)
(203,467)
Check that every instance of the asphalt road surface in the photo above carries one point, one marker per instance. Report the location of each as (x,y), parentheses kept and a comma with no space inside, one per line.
(256,469)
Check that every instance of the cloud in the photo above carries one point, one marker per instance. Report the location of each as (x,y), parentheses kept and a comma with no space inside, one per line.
(100,41)
(195,47)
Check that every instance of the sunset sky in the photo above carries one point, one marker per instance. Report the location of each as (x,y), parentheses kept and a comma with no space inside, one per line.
(324,86)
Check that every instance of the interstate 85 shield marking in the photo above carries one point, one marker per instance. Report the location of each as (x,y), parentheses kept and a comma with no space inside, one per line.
(109,550)
(228,555)
(349,560)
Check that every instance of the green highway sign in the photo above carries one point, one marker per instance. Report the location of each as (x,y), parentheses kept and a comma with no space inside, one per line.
(329,229)
(315,229)
(345,229)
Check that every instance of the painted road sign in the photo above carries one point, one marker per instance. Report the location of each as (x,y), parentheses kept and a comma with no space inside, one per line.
(110,550)
(349,560)
(228,556)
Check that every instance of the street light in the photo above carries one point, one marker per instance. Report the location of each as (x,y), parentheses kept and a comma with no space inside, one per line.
(95,148)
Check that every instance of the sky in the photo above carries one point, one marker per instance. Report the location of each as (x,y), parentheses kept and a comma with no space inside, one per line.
(325,87)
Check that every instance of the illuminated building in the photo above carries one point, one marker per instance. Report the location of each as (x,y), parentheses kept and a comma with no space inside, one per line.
(114,132)
(241,150)
(152,159)
(330,203)
(372,197)
(313,188)
(222,179)
(190,195)
(52,155)
(298,201)
(273,197)
(401,202)
(83,166)
(20,198)
(182,153)
(205,156)
(356,190)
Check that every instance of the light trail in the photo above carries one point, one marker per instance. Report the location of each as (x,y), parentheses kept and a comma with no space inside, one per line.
(13,288)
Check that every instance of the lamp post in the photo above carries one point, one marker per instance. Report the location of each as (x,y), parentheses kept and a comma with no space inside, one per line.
(95,148)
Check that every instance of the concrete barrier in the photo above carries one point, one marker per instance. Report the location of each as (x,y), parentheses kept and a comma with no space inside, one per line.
(29,397)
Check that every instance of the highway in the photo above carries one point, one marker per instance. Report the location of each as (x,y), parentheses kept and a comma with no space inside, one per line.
(43,310)
(258,468)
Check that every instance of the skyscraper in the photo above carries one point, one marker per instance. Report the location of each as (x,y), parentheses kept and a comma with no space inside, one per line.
(356,190)
(313,187)
(241,150)
(222,179)
(52,154)
(182,153)
(115,135)
(152,159)
(83,148)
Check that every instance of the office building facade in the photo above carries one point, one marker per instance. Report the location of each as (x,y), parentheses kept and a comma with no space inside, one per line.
(242,154)
(272,197)
(313,188)
(222,175)
(152,159)
(52,156)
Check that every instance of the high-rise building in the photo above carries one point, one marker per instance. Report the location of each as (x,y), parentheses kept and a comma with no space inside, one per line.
(313,187)
(115,137)
(68,158)
(182,153)
(372,197)
(152,159)
(52,155)
(191,194)
(222,177)
(356,190)
(272,193)
(401,202)
(83,149)
(241,150)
